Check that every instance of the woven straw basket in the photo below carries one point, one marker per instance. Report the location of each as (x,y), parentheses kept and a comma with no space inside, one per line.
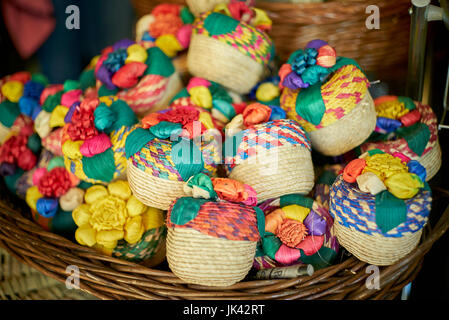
(21,282)
(347,120)
(295,24)
(354,214)
(274,171)
(431,157)
(152,93)
(111,278)
(213,58)
(217,247)
(155,181)
(198,6)
(351,130)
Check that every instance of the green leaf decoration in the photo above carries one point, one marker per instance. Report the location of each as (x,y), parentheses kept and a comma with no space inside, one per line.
(408,103)
(136,140)
(298,199)
(158,63)
(187,157)
(186,16)
(310,105)
(165,130)
(204,182)
(390,211)
(260,221)
(101,166)
(104,91)
(271,244)
(417,136)
(185,209)
(9,111)
(321,259)
(52,101)
(217,24)
(87,79)
(219,93)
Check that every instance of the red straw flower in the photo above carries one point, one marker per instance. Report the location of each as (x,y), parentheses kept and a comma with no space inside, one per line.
(55,183)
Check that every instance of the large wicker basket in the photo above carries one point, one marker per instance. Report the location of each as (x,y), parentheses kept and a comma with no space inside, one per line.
(343,25)
(110,278)
(382,52)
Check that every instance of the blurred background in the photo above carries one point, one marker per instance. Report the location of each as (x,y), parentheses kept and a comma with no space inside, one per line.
(34,37)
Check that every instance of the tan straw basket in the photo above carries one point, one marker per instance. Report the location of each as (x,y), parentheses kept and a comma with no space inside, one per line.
(201,259)
(432,161)
(357,231)
(153,191)
(277,172)
(217,61)
(375,249)
(198,6)
(348,132)
(111,278)
(214,248)
(19,281)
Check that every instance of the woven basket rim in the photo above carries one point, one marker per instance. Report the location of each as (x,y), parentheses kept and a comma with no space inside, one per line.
(118,278)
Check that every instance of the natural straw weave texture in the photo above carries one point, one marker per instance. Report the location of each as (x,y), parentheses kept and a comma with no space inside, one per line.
(354,215)
(348,132)
(205,260)
(375,249)
(198,6)
(432,161)
(274,158)
(219,62)
(277,172)
(153,191)
(21,282)
(111,278)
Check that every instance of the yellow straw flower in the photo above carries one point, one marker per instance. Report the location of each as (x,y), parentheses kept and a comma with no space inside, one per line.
(112,214)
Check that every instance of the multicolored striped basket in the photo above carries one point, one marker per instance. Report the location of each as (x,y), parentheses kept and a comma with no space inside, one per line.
(115,222)
(318,246)
(144,78)
(378,228)
(416,136)
(332,103)
(93,139)
(229,52)
(273,157)
(163,155)
(212,241)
